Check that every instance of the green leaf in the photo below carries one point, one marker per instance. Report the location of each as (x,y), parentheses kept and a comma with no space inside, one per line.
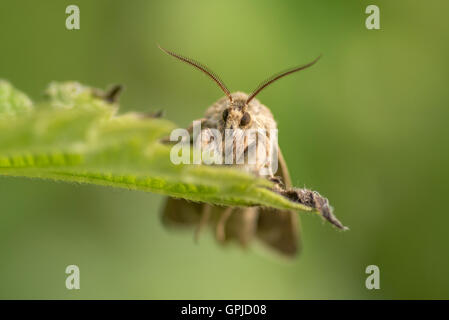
(74,135)
(12,101)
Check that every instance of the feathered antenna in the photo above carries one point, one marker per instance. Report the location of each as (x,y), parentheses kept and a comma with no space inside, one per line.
(201,67)
(277,76)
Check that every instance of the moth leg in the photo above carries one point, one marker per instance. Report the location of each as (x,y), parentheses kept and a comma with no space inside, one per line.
(205,123)
(220,229)
(276,180)
(205,215)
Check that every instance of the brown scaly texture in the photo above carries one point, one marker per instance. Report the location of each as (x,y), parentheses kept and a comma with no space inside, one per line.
(314,200)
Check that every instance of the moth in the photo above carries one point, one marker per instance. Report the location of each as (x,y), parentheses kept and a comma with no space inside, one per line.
(278,229)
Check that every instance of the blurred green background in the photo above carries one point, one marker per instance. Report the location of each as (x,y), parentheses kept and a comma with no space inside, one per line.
(367,127)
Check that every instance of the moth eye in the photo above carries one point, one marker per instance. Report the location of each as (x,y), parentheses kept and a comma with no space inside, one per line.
(225,115)
(246,119)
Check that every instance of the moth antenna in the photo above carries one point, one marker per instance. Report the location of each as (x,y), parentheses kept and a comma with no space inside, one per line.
(201,67)
(277,76)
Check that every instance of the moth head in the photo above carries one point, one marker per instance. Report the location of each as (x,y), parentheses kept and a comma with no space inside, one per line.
(237,115)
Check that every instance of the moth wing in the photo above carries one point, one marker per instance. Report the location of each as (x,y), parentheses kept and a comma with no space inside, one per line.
(283,170)
(180,212)
(241,226)
(279,228)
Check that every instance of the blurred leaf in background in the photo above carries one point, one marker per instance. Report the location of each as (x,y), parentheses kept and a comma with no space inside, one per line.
(367,127)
